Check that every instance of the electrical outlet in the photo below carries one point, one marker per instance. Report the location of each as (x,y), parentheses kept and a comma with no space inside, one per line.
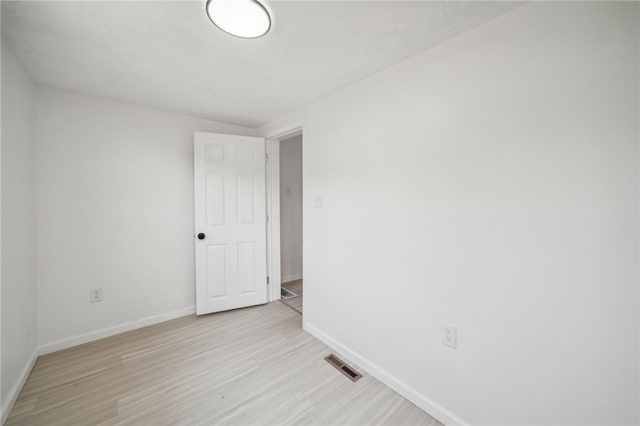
(449,335)
(95,295)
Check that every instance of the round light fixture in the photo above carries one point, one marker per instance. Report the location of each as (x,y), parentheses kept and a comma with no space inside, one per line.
(240,18)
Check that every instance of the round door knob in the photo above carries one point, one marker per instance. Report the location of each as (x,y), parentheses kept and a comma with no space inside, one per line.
(201,236)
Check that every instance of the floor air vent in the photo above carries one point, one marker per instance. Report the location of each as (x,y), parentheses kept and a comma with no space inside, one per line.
(286,293)
(352,374)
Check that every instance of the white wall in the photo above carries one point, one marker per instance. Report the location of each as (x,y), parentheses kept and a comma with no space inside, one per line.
(115,211)
(291,208)
(492,183)
(18,225)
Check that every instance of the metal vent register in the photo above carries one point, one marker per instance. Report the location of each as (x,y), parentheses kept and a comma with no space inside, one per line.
(352,374)
(287,294)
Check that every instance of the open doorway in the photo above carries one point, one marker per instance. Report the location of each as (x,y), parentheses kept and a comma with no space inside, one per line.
(291,222)
(285,217)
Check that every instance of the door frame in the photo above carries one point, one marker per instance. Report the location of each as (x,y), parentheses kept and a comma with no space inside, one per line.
(273,206)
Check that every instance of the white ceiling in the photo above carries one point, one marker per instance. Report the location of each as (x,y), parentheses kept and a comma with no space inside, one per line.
(168,55)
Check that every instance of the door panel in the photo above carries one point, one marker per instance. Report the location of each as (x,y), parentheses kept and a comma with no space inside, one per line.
(247,271)
(215,199)
(217,271)
(246,197)
(229,182)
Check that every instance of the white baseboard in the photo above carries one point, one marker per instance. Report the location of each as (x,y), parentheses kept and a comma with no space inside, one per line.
(111,331)
(426,404)
(17,387)
(290,278)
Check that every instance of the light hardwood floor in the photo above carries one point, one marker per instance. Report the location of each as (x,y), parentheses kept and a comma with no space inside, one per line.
(253,366)
(294,302)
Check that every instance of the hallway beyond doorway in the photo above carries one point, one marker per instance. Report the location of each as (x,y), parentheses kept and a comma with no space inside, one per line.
(294,302)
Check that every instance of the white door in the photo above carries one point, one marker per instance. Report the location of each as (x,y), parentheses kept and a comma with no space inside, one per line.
(230,221)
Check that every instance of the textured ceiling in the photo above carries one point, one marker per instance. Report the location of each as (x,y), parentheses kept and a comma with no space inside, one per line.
(168,55)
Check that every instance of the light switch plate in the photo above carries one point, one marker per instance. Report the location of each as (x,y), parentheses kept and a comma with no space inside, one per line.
(449,335)
(95,295)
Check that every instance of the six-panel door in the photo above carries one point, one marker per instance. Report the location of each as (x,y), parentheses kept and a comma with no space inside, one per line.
(230,211)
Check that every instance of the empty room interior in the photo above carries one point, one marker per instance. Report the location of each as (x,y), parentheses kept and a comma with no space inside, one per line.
(253,212)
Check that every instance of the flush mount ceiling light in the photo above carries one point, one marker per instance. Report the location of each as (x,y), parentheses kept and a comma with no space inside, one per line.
(240,18)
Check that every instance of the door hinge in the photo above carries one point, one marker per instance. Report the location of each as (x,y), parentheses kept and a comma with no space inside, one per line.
(267,280)
(267,216)
(266,157)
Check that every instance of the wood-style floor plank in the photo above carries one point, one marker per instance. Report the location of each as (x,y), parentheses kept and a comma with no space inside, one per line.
(253,366)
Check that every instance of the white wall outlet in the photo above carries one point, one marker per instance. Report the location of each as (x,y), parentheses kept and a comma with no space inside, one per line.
(449,335)
(95,295)
(319,202)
